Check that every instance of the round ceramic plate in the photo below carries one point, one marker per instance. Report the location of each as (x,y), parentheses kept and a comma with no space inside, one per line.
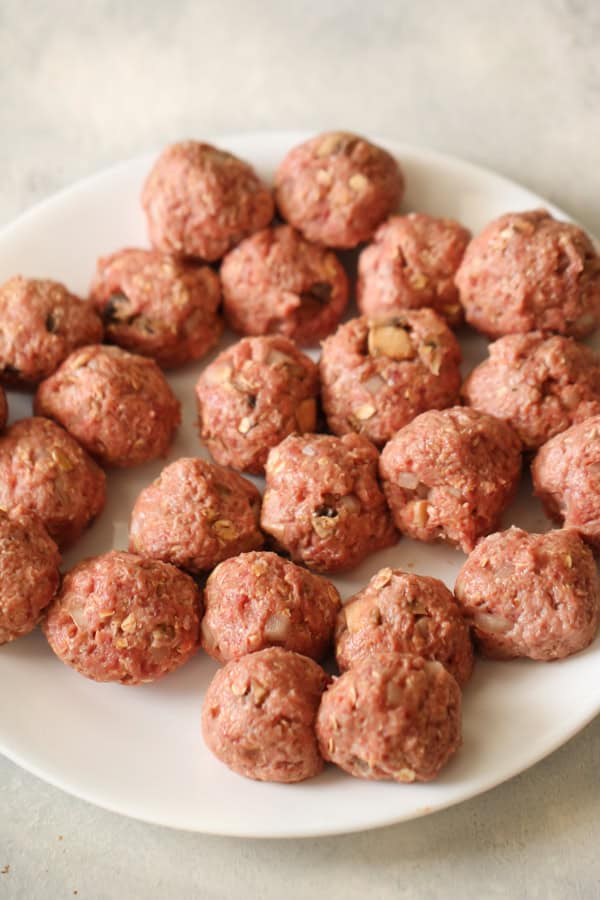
(139,751)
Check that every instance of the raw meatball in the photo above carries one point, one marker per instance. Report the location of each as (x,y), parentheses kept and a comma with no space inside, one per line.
(202,201)
(323,503)
(278,282)
(157,305)
(566,478)
(259,715)
(40,324)
(122,618)
(404,613)
(29,576)
(538,384)
(377,377)
(410,264)
(3,409)
(534,595)
(258,600)
(118,405)
(337,188)
(252,396)
(46,472)
(392,717)
(196,514)
(449,475)
(526,271)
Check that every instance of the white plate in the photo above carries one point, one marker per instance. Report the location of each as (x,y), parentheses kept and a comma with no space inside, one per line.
(139,751)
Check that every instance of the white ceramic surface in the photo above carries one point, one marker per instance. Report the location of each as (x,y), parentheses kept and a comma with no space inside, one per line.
(139,751)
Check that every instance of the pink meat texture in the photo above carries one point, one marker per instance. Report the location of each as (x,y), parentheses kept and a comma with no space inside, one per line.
(336,188)
(391,717)
(411,264)
(538,384)
(122,618)
(277,282)
(449,475)
(29,576)
(376,377)
(259,715)
(44,470)
(202,201)
(252,396)
(527,272)
(405,613)
(157,305)
(323,504)
(118,405)
(195,515)
(259,600)
(534,595)
(40,324)
(566,478)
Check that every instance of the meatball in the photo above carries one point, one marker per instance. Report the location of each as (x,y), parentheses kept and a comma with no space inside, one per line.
(528,272)
(276,282)
(538,384)
(534,595)
(252,396)
(323,503)
(44,470)
(3,409)
(259,715)
(259,600)
(449,475)
(202,201)
(376,377)
(391,717)
(157,305)
(196,514)
(566,478)
(411,264)
(40,324)
(404,613)
(118,405)
(122,618)
(29,576)
(336,188)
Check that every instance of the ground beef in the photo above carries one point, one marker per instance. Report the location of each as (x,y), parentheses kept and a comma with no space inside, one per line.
(202,201)
(122,618)
(534,595)
(29,576)
(277,282)
(377,377)
(566,478)
(411,264)
(528,272)
(196,514)
(449,475)
(44,470)
(538,384)
(260,600)
(259,715)
(336,188)
(252,396)
(323,503)
(118,405)
(404,613)
(40,324)
(157,305)
(392,717)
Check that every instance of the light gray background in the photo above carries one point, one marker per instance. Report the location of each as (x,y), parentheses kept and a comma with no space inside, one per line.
(514,86)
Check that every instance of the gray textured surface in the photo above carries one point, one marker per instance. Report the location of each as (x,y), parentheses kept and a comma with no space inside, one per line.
(515,87)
